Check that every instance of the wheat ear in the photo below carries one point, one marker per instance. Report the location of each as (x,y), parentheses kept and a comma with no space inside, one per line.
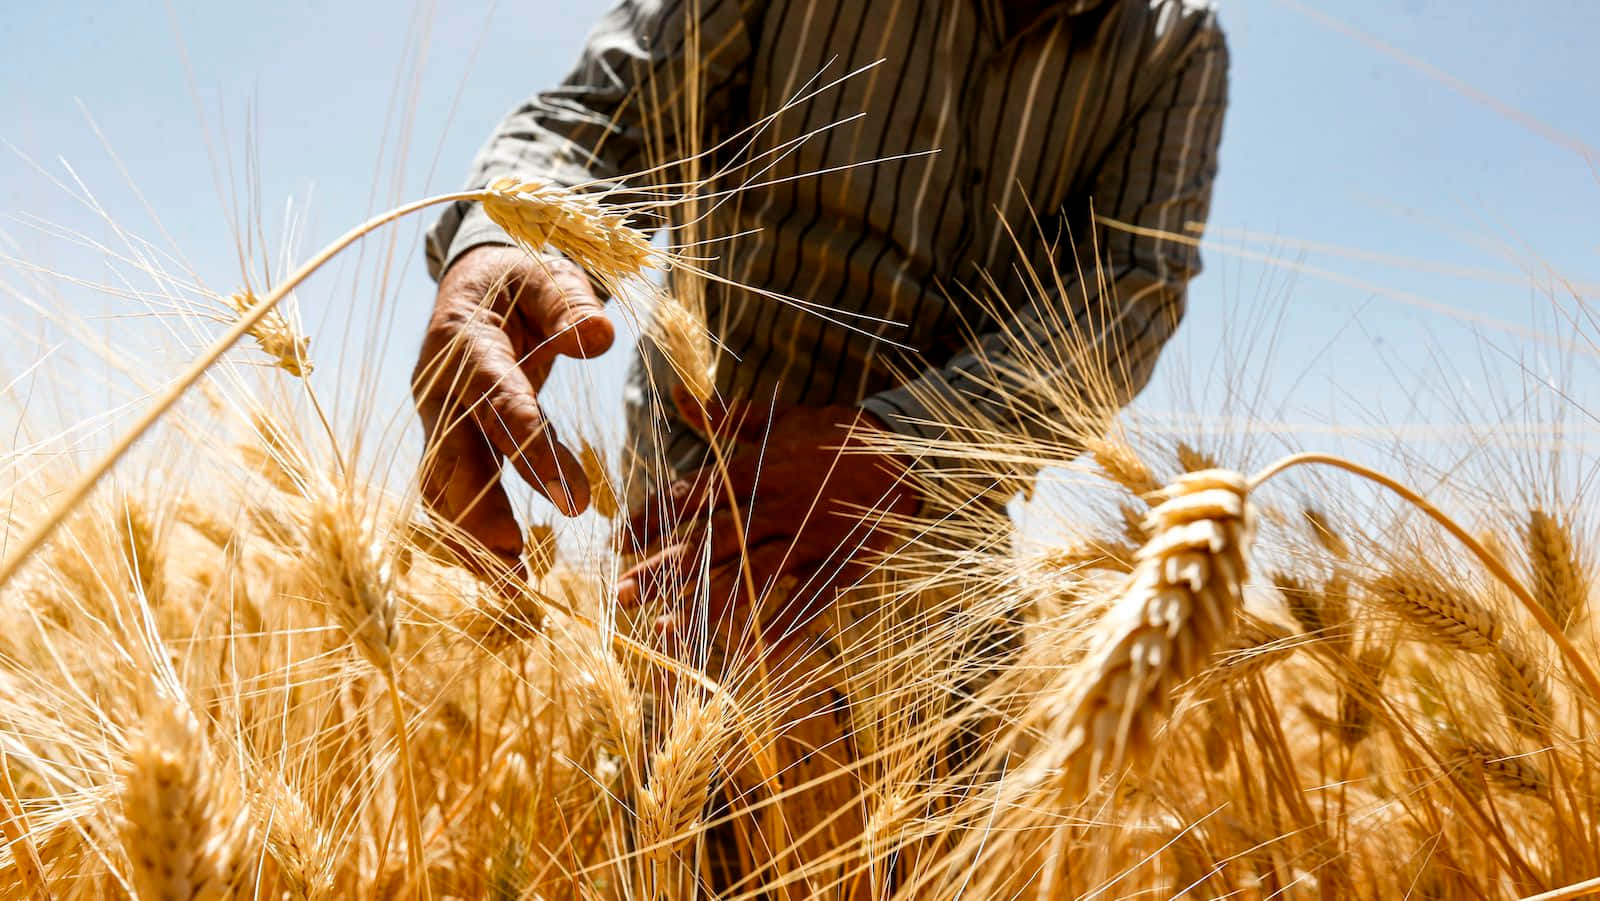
(1575,658)
(1179,607)
(1494,765)
(681,771)
(1445,615)
(601,490)
(1559,582)
(576,224)
(275,335)
(183,837)
(354,565)
(1121,464)
(1523,691)
(15,829)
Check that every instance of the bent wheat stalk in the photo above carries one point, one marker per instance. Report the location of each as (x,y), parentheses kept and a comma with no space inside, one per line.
(1569,652)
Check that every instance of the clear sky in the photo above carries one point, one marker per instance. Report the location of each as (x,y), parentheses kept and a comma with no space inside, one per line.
(1421,163)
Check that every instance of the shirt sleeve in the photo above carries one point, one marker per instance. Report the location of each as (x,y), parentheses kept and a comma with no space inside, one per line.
(615,114)
(1097,325)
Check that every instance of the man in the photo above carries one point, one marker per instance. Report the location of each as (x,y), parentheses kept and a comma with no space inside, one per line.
(1099,118)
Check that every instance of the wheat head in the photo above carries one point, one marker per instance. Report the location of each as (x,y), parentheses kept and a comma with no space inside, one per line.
(274,334)
(183,837)
(575,224)
(1179,607)
(1559,582)
(1445,615)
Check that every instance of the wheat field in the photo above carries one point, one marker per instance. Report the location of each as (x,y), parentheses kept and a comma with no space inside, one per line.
(238,658)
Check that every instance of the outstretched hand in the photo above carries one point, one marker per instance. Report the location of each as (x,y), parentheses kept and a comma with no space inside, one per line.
(811,499)
(500,320)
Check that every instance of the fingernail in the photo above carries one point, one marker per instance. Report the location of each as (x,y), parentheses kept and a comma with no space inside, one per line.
(557,493)
(627,591)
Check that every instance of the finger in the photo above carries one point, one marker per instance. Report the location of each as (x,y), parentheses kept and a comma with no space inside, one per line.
(662,575)
(562,310)
(460,485)
(512,420)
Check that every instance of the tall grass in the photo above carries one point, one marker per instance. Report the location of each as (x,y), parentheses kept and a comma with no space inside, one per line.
(237,662)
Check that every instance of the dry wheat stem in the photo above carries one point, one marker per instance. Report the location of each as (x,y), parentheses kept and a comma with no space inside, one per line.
(1574,658)
(1575,890)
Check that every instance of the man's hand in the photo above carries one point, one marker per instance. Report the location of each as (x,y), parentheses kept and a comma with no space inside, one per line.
(499,321)
(811,500)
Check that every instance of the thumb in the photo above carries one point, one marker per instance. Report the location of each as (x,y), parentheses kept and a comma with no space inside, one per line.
(558,301)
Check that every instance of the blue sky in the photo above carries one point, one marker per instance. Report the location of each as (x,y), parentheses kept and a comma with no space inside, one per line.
(1426,215)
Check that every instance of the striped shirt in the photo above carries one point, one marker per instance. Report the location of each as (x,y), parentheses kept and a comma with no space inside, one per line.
(1063,114)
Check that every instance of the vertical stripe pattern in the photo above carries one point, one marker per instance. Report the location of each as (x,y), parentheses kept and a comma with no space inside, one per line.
(1070,112)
